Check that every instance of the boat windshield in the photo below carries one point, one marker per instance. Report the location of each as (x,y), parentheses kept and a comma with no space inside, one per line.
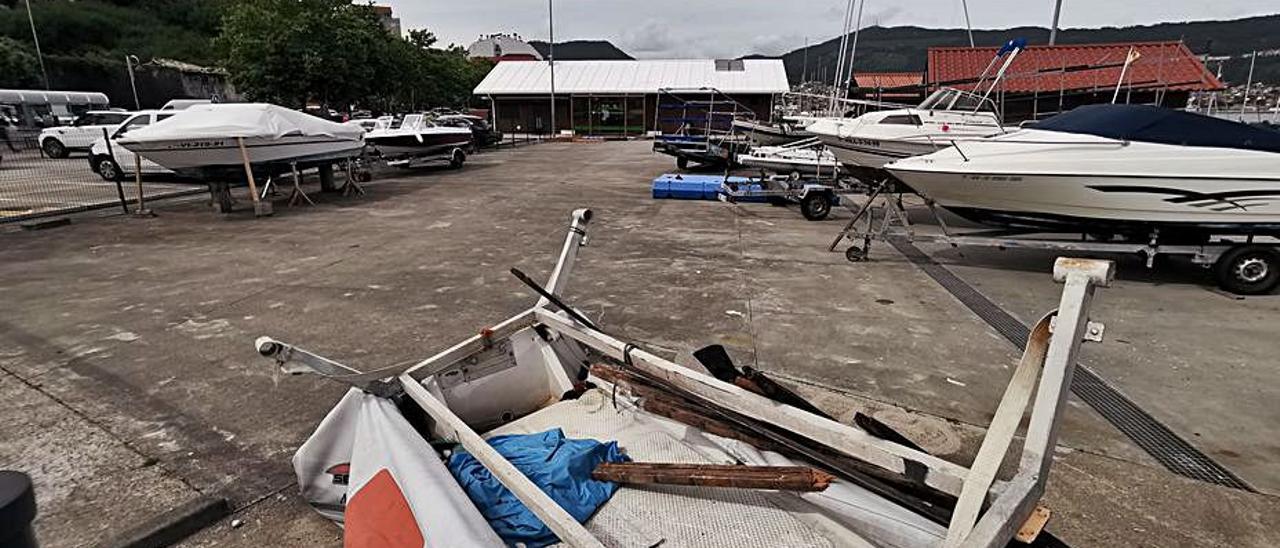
(954,99)
(1150,124)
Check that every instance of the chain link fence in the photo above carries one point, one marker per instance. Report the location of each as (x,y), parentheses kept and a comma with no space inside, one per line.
(63,170)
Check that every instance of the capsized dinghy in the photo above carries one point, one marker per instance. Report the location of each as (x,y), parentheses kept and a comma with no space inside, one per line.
(549,368)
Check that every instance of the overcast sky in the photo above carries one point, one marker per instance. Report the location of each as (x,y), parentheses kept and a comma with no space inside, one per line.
(730,28)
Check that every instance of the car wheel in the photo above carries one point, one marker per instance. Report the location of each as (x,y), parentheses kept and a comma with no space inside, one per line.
(54,148)
(108,169)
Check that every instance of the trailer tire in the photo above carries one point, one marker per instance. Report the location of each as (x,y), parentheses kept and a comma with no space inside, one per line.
(815,206)
(855,254)
(1248,269)
(457,159)
(682,162)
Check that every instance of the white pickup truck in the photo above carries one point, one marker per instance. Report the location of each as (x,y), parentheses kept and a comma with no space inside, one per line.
(60,141)
(112,161)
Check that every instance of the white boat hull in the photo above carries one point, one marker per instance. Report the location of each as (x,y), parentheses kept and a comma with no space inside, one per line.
(1073,199)
(875,153)
(1039,177)
(188,155)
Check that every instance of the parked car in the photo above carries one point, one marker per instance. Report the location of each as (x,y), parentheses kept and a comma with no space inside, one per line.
(61,141)
(117,161)
(482,134)
(183,104)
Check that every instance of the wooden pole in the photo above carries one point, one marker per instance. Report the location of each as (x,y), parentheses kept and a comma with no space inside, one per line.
(785,478)
(259,207)
(137,179)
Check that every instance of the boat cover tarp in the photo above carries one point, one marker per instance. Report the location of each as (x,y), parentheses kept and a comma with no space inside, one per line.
(1150,124)
(229,120)
(561,467)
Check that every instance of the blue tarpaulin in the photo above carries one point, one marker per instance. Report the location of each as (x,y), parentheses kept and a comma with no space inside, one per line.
(561,467)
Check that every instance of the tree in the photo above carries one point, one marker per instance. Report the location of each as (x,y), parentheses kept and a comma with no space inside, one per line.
(19,68)
(295,51)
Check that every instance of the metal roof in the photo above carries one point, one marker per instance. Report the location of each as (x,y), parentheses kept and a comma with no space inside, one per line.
(1048,69)
(39,96)
(634,76)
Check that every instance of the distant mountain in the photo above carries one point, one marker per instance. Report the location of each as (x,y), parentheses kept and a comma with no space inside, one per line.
(904,48)
(583,50)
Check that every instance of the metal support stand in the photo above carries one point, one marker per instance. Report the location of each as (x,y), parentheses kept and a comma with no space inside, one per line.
(352,186)
(297,195)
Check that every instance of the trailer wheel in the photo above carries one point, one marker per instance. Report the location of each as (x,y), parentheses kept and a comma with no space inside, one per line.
(815,206)
(855,254)
(457,159)
(682,162)
(1248,269)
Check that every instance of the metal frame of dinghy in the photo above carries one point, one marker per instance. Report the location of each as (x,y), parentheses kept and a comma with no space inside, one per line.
(988,512)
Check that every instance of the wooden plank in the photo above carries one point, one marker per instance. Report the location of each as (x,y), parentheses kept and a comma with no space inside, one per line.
(1034,525)
(568,529)
(937,473)
(781,478)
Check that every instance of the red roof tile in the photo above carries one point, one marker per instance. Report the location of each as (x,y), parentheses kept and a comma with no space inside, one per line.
(1167,65)
(887,79)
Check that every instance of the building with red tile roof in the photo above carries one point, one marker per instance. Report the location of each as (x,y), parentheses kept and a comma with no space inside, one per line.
(1044,80)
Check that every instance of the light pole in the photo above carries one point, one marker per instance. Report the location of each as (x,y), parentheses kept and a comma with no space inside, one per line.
(130,61)
(551,61)
(36,40)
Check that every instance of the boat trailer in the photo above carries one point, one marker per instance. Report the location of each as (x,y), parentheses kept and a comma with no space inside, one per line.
(1245,265)
(816,196)
(558,342)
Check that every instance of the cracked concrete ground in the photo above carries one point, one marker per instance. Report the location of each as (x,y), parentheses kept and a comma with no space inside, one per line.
(126,344)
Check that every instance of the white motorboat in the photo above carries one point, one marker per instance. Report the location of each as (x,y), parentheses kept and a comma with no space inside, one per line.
(874,139)
(206,140)
(418,137)
(550,373)
(805,157)
(767,134)
(1111,168)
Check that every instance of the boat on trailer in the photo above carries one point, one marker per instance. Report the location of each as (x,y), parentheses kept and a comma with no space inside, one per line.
(550,367)
(419,138)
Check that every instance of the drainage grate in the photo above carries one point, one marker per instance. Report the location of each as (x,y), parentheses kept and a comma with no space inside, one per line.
(1155,438)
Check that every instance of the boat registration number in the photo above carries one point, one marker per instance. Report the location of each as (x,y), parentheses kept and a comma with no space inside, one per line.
(862,142)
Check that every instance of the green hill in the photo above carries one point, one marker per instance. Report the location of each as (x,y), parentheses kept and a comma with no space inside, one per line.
(904,48)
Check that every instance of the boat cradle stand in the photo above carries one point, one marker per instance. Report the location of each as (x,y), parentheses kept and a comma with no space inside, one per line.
(989,512)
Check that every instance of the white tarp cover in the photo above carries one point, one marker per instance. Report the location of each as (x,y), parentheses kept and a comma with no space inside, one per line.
(248,120)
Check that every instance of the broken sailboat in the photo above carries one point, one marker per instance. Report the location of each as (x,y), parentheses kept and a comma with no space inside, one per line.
(550,373)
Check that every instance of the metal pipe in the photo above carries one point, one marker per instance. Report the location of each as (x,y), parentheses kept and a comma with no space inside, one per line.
(36,40)
(129,62)
(1053,29)
(853,50)
(551,61)
(967,24)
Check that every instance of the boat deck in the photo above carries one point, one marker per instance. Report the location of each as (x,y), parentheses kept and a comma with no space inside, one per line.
(680,515)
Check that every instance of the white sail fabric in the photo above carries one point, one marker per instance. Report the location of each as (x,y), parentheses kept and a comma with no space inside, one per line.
(247,120)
